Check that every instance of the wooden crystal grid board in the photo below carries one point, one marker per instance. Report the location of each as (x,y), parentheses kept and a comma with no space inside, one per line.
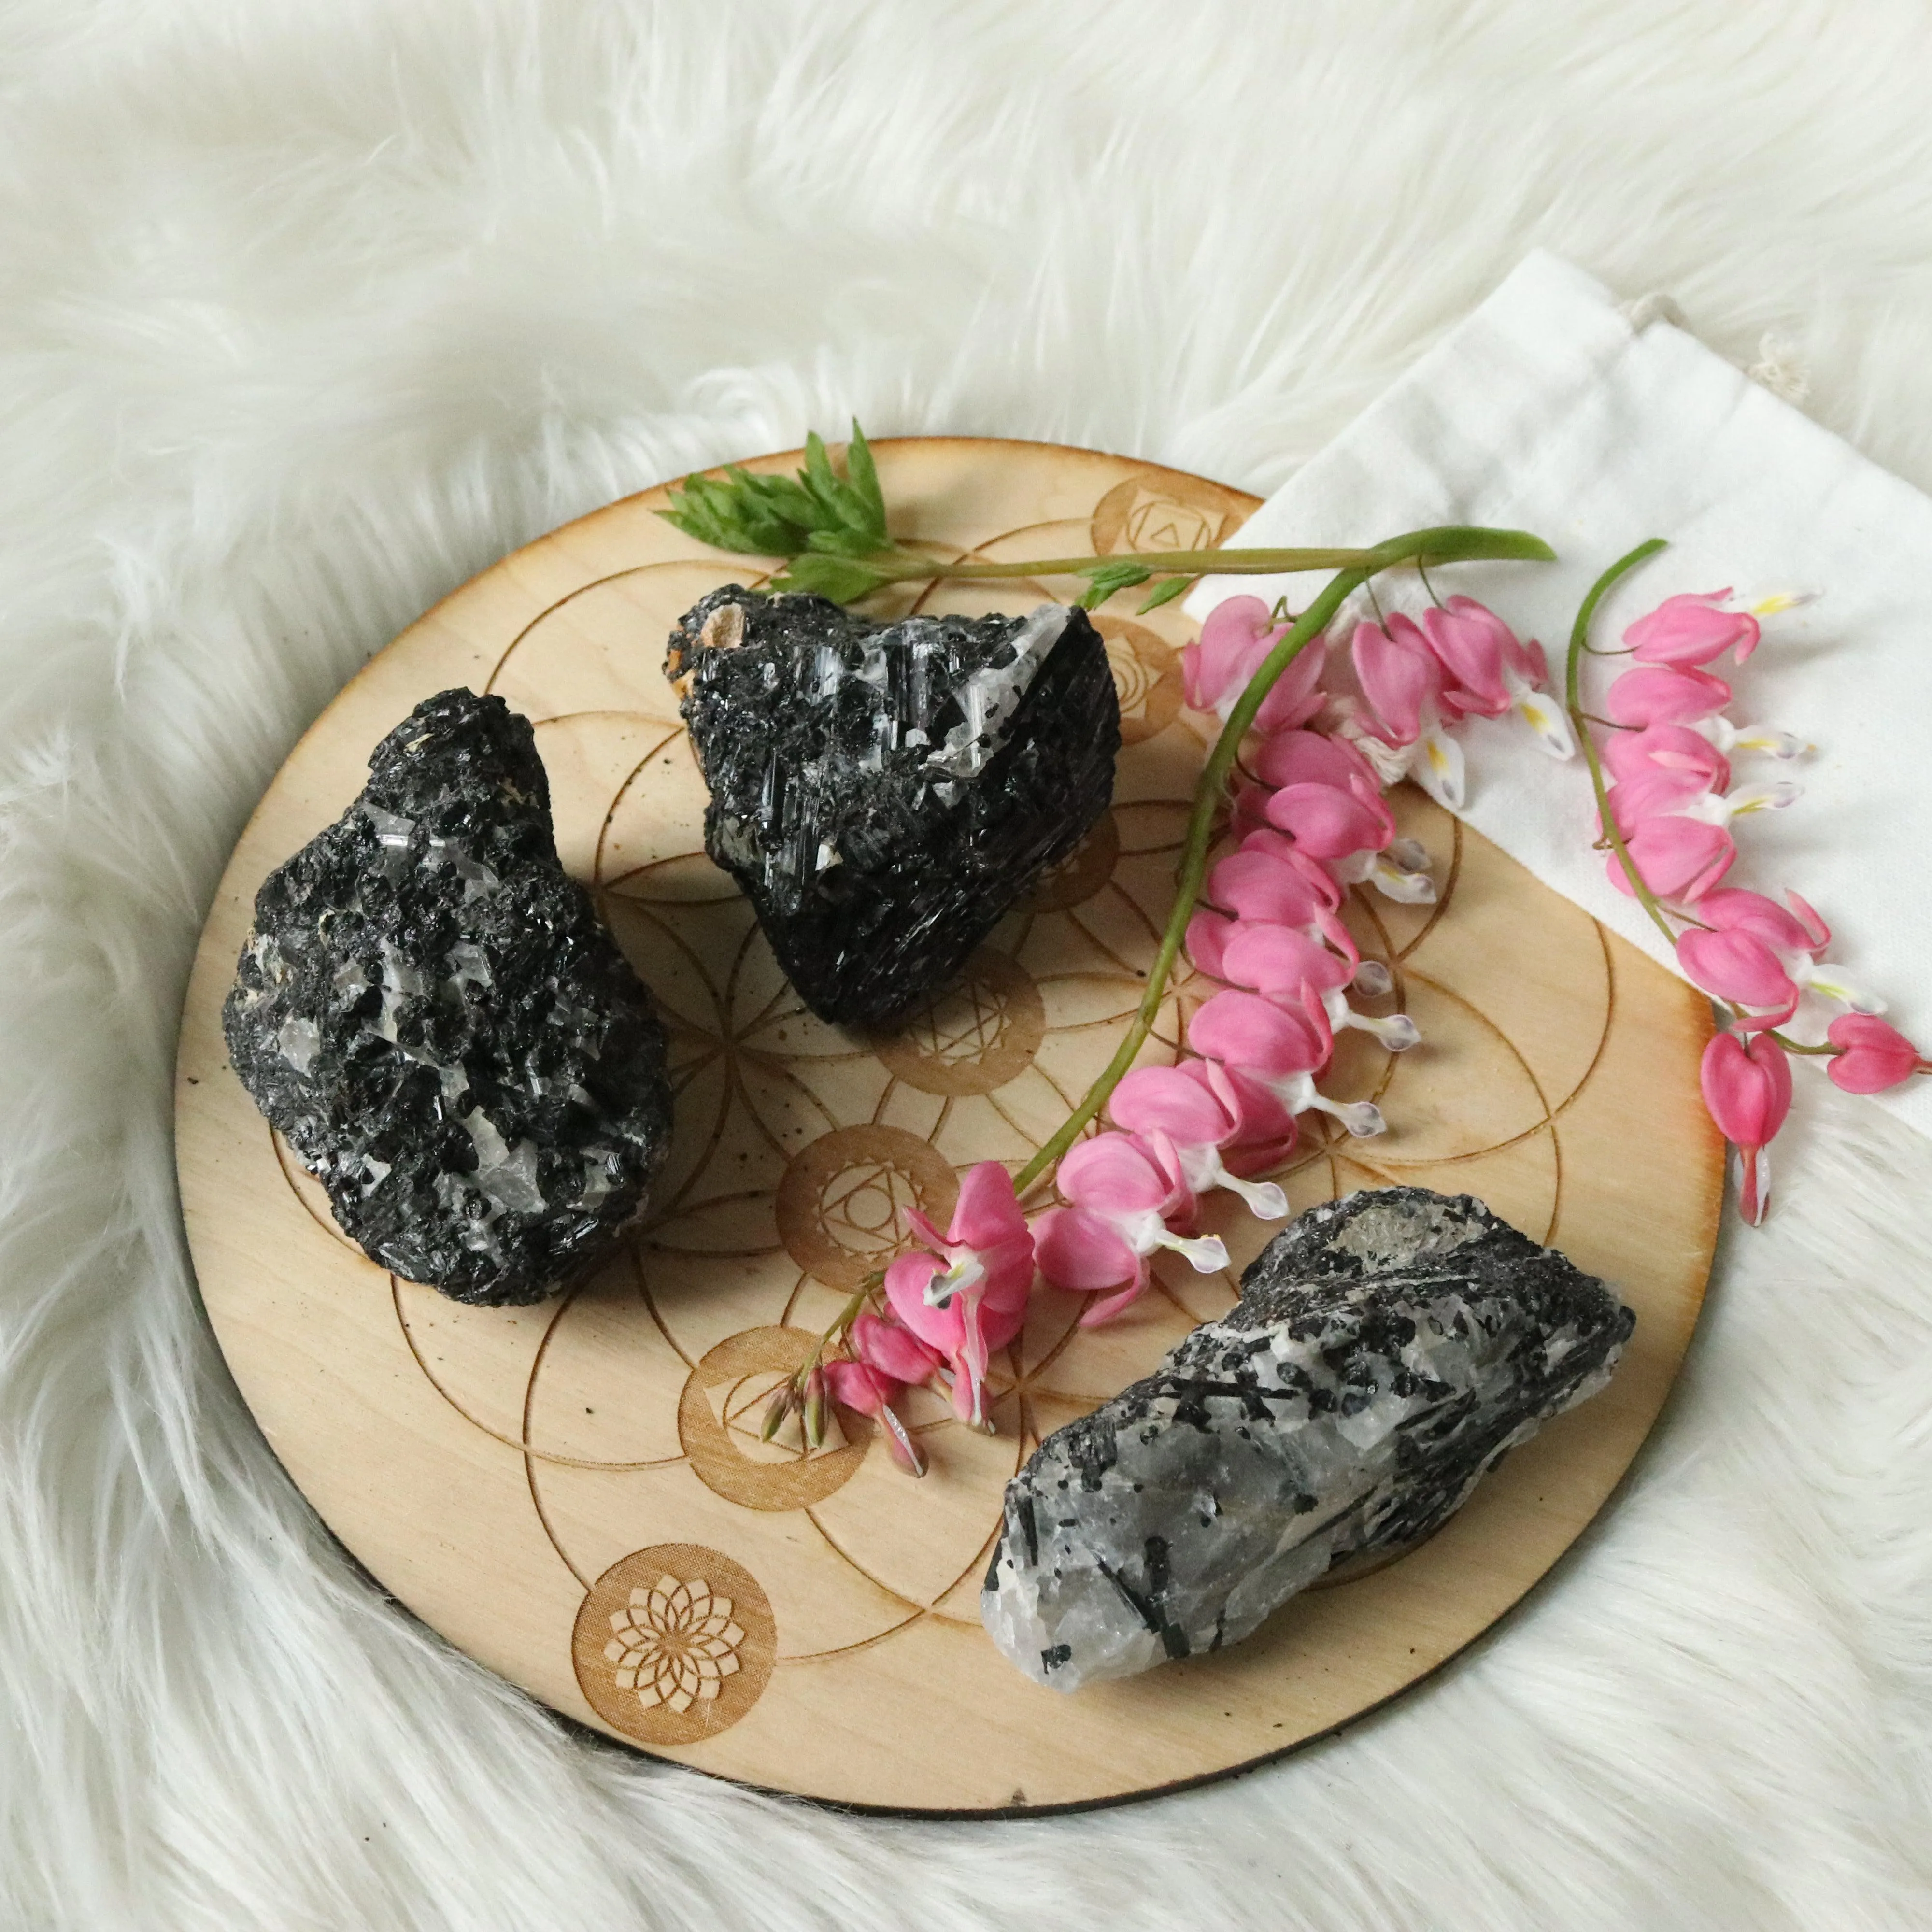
(574,1493)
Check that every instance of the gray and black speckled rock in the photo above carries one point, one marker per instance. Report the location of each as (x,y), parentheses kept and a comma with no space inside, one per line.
(429,1010)
(884,792)
(1386,1351)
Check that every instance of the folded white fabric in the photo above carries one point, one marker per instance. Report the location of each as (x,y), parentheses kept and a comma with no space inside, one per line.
(1551,409)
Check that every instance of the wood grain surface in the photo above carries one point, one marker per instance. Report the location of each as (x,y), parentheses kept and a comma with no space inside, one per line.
(574,1493)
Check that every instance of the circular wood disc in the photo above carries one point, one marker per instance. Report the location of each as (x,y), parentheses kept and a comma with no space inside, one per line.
(575,1494)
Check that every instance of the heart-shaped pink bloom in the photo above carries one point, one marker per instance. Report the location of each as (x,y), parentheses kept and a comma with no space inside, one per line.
(1741,967)
(859,1386)
(894,1350)
(1311,758)
(1399,677)
(1664,695)
(1279,961)
(1673,748)
(1236,639)
(1249,1033)
(1127,1197)
(1477,651)
(1731,909)
(1196,1107)
(1676,858)
(1747,1088)
(1690,629)
(1874,1056)
(1255,882)
(1653,794)
(968,1296)
(1328,823)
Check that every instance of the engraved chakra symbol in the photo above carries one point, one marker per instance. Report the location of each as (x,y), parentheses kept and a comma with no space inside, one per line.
(674,1644)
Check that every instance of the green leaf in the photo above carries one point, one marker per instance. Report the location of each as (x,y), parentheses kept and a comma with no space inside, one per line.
(1165,593)
(1106,575)
(863,477)
(840,578)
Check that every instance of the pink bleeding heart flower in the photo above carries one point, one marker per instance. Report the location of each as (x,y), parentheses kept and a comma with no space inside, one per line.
(1200,1113)
(1874,1056)
(1489,670)
(1793,931)
(1630,755)
(1739,967)
(859,1386)
(1279,1049)
(1747,1088)
(1692,629)
(1329,823)
(891,1348)
(1677,858)
(1238,634)
(1280,883)
(1654,793)
(1311,758)
(1664,694)
(1127,1195)
(967,1295)
(1409,706)
(1280,962)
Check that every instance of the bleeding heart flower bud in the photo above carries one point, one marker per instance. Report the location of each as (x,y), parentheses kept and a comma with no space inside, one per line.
(1875,1056)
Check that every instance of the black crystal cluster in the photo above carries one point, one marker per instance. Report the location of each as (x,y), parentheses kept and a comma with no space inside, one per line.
(885,792)
(1387,1350)
(430,1012)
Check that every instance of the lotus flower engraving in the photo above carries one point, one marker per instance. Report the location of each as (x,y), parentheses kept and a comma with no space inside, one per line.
(674,1644)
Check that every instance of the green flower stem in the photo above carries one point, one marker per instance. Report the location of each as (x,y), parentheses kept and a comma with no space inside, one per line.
(1573,700)
(898,565)
(1450,545)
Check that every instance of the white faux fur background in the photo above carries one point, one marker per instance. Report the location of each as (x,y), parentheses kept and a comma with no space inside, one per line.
(309,312)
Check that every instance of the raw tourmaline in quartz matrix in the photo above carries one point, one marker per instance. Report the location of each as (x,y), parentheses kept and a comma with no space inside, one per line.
(430,1011)
(884,792)
(1386,1350)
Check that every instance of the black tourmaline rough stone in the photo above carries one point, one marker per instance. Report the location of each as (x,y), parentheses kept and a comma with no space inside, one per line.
(429,1011)
(1386,1350)
(884,792)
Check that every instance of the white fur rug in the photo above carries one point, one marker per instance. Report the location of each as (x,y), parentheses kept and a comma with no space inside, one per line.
(311,312)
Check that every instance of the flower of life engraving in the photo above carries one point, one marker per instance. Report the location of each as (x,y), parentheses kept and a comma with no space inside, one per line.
(630,1405)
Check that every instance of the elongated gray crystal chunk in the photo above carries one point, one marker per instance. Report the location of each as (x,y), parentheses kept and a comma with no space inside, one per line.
(431,1012)
(1387,1350)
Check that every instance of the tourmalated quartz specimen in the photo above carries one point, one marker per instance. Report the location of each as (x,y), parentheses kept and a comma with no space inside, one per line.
(429,1010)
(884,792)
(1386,1350)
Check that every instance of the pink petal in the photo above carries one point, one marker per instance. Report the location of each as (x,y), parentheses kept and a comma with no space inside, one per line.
(905,1291)
(1875,1056)
(1275,959)
(1099,1313)
(1259,885)
(1747,1087)
(987,1212)
(1817,933)
(923,1230)
(1250,1033)
(1676,858)
(1659,695)
(1206,937)
(1297,695)
(1236,636)
(1397,677)
(1739,967)
(1268,1129)
(1686,630)
(1166,1098)
(1472,644)
(1651,794)
(1308,757)
(1327,823)
(859,1386)
(1078,1250)
(1113,1173)
(891,1349)
(1731,909)
(1629,754)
